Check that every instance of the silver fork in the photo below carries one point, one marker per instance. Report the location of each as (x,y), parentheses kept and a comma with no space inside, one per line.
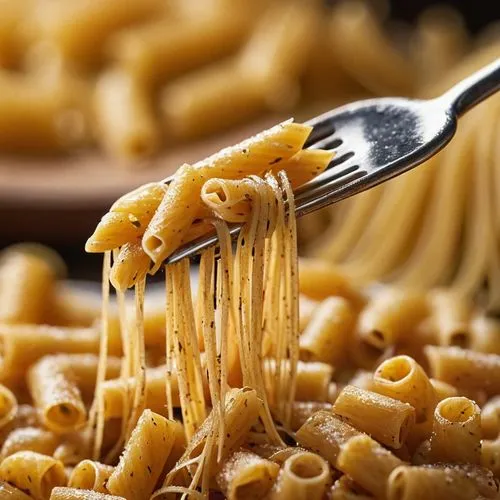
(376,140)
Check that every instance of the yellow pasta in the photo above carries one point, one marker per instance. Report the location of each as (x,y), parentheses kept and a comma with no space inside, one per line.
(125,117)
(8,406)
(145,454)
(304,475)
(90,475)
(30,439)
(245,475)
(302,410)
(9,492)
(345,489)
(33,473)
(61,493)
(326,336)
(441,481)
(368,463)
(385,419)
(325,433)
(465,369)
(490,456)
(456,432)
(490,418)
(27,282)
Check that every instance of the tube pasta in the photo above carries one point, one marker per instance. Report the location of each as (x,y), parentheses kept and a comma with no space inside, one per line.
(33,473)
(456,431)
(465,369)
(62,493)
(361,454)
(490,418)
(30,439)
(124,116)
(345,489)
(441,481)
(490,456)
(56,395)
(80,30)
(8,405)
(145,454)
(90,475)
(327,334)
(389,315)
(325,433)
(27,282)
(303,476)
(484,334)
(245,475)
(385,419)
(451,315)
(9,492)
(402,378)
(302,410)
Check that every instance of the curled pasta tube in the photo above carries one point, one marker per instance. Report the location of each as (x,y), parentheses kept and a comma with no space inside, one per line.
(90,475)
(303,476)
(30,439)
(245,473)
(8,405)
(33,473)
(456,432)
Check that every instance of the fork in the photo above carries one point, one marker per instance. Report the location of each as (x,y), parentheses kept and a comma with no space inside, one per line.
(376,140)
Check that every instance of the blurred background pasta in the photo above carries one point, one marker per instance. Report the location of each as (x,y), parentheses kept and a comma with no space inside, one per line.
(97,97)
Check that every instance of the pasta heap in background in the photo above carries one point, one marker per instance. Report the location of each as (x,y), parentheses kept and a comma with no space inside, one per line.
(279,379)
(438,225)
(140,76)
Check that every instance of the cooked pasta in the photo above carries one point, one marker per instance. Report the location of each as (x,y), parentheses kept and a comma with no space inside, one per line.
(223,390)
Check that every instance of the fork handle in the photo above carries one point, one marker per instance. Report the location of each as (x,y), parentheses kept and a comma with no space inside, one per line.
(474,89)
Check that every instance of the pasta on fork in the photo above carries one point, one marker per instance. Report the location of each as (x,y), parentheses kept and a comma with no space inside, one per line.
(275,377)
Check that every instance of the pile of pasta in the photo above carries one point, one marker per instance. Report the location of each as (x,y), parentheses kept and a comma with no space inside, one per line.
(136,77)
(436,226)
(273,378)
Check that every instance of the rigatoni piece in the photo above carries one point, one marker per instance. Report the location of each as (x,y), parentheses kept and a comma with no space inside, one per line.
(304,476)
(33,473)
(30,439)
(62,493)
(23,345)
(368,463)
(245,475)
(326,336)
(125,117)
(145,455)
(485,334)
(401,377)
(27,283)
(346,489)
(8,405)
(302,410)
(490,456)
(456,432)
(56,395)
(90,475)
(386,419)
(319,279)
(441,481)
(465,369)
(451,315)
(80,29)
(490,418)
(9,492)
(391,315)
(443,390)
(325,433)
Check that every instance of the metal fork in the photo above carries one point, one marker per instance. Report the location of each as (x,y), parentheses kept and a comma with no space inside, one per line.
(376,140)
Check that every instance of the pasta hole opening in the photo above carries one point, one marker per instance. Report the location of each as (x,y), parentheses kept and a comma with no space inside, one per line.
(250,488)
(377,339)
(306,466)
(456,409)
(460,339)
(64,416)
(394,369)
(84,476)
(54,476)
(398,485)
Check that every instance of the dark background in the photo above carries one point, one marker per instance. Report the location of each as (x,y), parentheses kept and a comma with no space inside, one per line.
(477,13)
